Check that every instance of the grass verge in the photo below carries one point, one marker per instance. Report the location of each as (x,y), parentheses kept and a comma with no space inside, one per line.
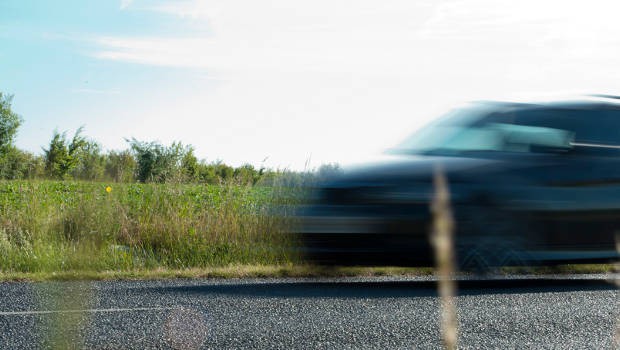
(232,271)
(52,230)
(276,271)
(55,227)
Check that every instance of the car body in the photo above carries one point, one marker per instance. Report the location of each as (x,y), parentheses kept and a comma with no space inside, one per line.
(529,183)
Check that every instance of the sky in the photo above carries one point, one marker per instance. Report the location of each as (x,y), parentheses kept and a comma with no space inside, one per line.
(286,83)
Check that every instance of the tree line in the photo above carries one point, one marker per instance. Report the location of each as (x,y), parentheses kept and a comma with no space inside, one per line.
(79,158)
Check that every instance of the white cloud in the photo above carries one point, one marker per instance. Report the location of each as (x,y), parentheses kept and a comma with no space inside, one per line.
(125,4)
(375,37)
(365,70)
(95,91)
(275,36)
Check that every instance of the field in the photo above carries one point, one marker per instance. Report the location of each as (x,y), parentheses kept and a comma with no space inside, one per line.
(48,226)
(67,230)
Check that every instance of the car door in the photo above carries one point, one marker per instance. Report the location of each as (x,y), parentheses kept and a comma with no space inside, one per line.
(577,193)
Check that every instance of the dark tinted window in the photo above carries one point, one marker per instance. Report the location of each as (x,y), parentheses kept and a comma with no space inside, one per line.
(590,126)
(598,126)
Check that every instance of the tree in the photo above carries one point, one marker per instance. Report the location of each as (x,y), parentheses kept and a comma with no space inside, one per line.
(190,165)
(223,171)
(247,174)
(90,162)
(62,156)
(329,170)
(9,122)
(207,174)
(17,164)
(120,166)
(157,163)
(14,163)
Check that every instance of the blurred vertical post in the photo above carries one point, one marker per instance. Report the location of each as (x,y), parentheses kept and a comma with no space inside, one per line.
(66,327)
(442,240)
(616,340)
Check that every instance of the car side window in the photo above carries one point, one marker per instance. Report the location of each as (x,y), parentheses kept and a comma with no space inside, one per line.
(600,127)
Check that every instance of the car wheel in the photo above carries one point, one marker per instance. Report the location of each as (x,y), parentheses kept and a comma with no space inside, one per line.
(488,239)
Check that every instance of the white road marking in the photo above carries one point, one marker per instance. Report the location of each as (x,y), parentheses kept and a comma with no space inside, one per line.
(45,312)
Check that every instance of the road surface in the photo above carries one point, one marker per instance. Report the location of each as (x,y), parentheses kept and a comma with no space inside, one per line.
(379,313)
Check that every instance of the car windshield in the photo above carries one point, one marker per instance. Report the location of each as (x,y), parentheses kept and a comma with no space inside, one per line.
(480,129)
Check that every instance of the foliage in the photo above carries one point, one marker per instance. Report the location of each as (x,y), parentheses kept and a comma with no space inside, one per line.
(18,164)
(156,162)
(327,171)
(247,175)
(91,162)
(190,165)
(9,122)
(63,225)
(120,166)
(225,216)
(145,161)
(63,156)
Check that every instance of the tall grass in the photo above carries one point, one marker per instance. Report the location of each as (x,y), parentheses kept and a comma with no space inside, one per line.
(443,243)
(48,226)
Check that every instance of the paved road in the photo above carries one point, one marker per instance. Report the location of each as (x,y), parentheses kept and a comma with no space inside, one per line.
(292,313)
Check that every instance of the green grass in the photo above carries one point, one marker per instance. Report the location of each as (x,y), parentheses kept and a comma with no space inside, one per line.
(273,271)
(48,226)
(231,271)
(52,230)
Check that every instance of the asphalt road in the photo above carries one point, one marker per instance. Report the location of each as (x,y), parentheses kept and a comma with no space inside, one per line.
(379,313)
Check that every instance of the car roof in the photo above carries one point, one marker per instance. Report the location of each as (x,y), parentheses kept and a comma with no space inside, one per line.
(587,102)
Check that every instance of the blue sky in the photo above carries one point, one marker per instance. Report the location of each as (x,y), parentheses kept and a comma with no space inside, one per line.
(46,62)
(284,80)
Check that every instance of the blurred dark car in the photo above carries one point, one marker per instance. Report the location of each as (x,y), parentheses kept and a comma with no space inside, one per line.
(530,184)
